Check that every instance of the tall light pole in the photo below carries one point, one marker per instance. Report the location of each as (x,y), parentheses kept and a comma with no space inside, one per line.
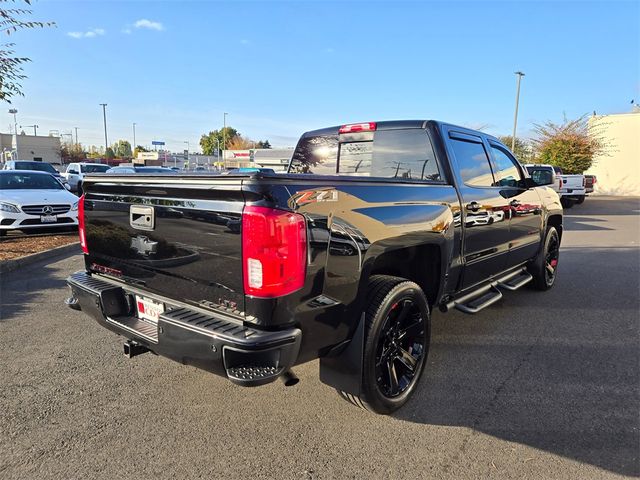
(76,129)
(104,117)
(515,117)
(224,134)
(15,128)
(134,136)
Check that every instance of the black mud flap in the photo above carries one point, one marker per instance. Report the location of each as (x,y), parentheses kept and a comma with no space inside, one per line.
(344,370)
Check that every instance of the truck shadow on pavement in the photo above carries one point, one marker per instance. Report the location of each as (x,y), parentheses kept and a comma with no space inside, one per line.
(22,288)
(557,371)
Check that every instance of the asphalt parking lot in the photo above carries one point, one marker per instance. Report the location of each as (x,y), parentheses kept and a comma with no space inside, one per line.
(537,386)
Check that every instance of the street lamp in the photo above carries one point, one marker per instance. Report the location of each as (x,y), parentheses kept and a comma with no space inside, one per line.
(224,134)
(134,135)
(76,128)
(104,117)
(187,142)
(15,128)
(515,117)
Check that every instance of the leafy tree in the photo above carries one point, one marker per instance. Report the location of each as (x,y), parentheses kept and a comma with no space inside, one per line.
(224,136)
(523,150)
(263,144)
(70,153)
(11,72)
(110,155)
(139,148)
(569,145)
(122,149)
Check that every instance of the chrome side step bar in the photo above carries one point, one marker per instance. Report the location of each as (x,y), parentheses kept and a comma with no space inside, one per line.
(489,293)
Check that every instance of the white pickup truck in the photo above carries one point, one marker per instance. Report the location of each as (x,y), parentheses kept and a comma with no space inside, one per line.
(76,171)
(571,188)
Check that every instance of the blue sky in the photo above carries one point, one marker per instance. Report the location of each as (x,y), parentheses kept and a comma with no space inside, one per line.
(280,68)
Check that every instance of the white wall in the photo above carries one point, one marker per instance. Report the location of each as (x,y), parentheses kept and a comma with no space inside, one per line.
(618,171)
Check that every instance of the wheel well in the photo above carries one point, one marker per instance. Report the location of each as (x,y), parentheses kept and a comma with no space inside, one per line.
(556,221)
(420,264)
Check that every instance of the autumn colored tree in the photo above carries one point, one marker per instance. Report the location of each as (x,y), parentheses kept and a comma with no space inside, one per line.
(570,145)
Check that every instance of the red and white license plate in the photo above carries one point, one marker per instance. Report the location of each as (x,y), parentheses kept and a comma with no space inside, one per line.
(149,309)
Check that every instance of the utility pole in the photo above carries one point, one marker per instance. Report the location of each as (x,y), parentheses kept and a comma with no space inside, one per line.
(515,117)
(35,129)
(104,116)
(15,128)
(76,128)
(134,136)
(187,142)
(224,134)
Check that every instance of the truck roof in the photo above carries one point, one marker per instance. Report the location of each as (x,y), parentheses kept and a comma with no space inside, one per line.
(396,125)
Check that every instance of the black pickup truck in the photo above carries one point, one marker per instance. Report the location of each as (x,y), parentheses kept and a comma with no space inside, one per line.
(342,258)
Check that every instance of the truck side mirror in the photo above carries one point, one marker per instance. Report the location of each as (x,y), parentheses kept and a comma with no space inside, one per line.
(540,178)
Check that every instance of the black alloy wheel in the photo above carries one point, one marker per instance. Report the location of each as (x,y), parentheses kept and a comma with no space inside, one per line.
(396,345)
(544,268)
(552,255)
(400,348)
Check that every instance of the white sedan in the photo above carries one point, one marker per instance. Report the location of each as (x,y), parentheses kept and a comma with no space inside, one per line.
(30,199)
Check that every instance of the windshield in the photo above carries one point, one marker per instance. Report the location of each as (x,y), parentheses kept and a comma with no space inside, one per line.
(28,181)
(97,168)
(40,167)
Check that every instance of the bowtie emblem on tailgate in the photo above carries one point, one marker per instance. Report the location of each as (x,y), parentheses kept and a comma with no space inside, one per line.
(142,218)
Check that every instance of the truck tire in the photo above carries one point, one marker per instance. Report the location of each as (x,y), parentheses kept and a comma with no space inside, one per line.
(566,203)
(79,189)
(396,345)
(545,266)
(580,200)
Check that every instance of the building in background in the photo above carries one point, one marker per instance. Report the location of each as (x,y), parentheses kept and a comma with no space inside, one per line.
(618,171)
(30,147)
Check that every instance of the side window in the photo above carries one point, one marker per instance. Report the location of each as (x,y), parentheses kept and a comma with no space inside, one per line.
(473,163)
(507,171)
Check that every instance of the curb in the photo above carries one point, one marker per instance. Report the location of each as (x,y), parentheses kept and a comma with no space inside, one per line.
(7,266)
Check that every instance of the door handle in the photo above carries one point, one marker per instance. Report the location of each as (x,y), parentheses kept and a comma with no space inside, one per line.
(473,206)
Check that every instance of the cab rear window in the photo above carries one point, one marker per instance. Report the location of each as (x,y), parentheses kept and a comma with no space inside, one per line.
(404,154)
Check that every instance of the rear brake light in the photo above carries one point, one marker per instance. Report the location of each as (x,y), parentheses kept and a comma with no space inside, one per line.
(81,232)
(274,251)
(358,127)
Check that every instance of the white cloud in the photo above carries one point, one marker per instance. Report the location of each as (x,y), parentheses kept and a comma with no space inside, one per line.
(94,32)
(149,24)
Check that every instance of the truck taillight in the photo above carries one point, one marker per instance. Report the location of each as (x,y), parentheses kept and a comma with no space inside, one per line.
(358,127)
(584,181)
(274,251)
(81,233)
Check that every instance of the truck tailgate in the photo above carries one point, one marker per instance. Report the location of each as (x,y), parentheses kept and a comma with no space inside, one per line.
(177,237)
